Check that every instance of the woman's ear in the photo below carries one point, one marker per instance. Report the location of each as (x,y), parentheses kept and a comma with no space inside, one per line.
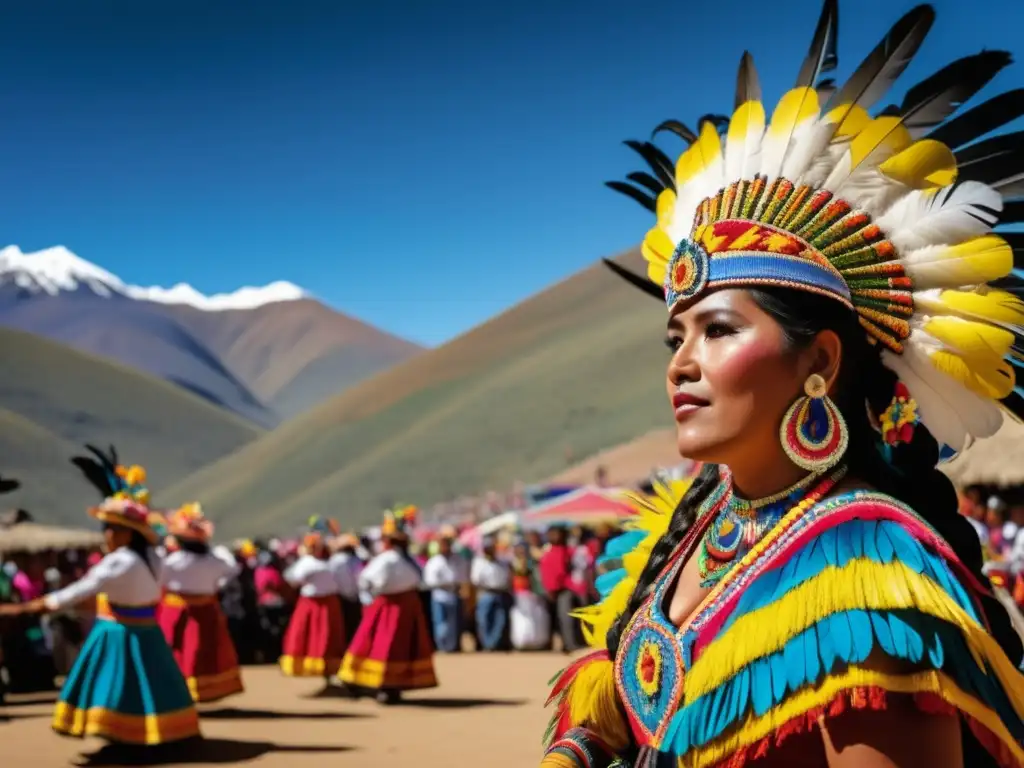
(827,357)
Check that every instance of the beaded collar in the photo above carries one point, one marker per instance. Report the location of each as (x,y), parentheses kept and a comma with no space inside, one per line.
(738,524)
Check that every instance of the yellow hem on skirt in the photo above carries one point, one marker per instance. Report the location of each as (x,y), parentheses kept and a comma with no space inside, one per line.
(127,729)
(372,673)
(209,688)
(307,666)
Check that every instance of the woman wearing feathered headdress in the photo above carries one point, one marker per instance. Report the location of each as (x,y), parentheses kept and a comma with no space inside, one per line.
(190,615)
(125,685)
(391,651)
(841,315)
(314,642)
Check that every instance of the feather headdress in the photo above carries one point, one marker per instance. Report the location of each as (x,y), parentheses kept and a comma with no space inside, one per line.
(125,498)
(892,213)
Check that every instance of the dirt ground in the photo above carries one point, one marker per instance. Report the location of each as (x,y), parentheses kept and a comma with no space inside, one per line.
(488,710)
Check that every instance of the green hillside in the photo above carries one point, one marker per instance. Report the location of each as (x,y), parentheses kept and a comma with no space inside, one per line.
(572,370)
(54,398)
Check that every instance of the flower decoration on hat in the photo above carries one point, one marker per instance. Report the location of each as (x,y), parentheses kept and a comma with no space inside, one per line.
(320,529)
(189,523)
(399,521)
(890,212)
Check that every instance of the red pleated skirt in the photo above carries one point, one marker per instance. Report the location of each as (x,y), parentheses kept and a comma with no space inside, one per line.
(314,642)
(391,649)
(197,632)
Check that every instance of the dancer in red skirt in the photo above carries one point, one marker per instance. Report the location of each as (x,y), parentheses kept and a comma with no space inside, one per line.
(391,651)
(190,614)
(314,643)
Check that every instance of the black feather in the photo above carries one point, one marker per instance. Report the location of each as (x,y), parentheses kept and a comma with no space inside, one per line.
(1016,241)
(935,98)
(821,56)
(647,181)
(8,484)
(1003,145)
(893,110)
(876,74)
(1011,186)
(980,120)
(622,187)
(1013,212)
(1010,283)
(656,159)
(997,169)
(1014,404)
(95,474)
(825,89)
(748,86)
(721,122)
(645,285)
(676,127)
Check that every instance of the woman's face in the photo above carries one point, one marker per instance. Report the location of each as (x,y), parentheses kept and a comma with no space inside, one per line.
(115,537)
(731,378)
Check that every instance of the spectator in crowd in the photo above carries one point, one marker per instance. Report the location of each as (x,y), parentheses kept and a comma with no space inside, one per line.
(492,579)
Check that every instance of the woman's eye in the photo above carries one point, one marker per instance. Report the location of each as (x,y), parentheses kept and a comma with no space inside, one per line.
(673,342)
(716,330)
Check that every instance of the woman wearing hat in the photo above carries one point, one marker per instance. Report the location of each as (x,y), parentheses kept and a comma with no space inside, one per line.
(125,685)
(314,642)
(391,651)
(190,615)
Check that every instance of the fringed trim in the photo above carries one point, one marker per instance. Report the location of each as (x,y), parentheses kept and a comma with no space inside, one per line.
(580,748)
(857,689)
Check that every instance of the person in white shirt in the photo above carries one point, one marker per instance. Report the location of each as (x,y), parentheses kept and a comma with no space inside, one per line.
(446,575)
(190,614)
(391,651)
(346,566)
(125,686)
(314,643)
(493,581)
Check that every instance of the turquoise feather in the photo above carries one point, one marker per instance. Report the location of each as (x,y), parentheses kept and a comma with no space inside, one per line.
(606,582)
(623,544)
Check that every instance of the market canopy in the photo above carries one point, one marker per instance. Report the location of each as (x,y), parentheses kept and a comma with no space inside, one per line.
(585,506)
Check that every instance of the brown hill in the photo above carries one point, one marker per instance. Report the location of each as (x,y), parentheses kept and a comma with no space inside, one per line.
(571,371)
(295,354)
(627,463)
(54,398)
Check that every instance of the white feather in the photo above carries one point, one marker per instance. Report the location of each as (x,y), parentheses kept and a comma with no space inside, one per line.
(810,141)
(824,163)
(952,413)
(951,215)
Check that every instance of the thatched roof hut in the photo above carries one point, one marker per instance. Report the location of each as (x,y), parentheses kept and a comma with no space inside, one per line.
(33,537)
(997,460)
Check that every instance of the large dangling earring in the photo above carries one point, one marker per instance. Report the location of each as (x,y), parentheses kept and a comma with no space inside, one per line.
(813,432)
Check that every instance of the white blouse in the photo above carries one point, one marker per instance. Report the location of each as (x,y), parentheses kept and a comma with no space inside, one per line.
(313,576)
(190,574)
(389,573)
(493,575)
(346,567)
(443,572)
(122,575)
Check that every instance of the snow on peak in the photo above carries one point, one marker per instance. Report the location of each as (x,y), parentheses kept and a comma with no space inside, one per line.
(57,269)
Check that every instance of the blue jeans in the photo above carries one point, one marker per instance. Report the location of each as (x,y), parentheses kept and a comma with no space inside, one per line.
(446,615)
(491,619)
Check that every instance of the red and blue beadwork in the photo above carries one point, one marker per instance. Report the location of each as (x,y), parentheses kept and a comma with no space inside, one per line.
(736,252)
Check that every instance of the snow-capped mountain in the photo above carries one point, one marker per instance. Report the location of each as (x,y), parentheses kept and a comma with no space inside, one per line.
(278,352)
(56,270)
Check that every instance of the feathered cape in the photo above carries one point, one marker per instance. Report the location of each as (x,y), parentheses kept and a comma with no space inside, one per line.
(786,638)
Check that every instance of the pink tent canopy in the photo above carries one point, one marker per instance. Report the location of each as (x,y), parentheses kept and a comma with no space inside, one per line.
(586,506)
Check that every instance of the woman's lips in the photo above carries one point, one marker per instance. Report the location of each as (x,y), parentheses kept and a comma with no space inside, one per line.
(685,405)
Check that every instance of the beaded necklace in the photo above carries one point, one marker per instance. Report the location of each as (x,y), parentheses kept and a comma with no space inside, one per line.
(739,524)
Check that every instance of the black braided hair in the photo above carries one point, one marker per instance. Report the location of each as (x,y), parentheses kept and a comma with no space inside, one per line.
(195,547)
(908,474)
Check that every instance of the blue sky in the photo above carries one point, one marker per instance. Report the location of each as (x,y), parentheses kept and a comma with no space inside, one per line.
(422,165)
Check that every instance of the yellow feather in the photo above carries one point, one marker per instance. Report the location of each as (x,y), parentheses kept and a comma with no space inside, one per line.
(885,132)
(974,262)
(657,248)
(855,121)
(793,108)
(983,304)
(923,164)
(994,379)
(665,206)
(593,701)
(708,146)
(687,166)
(975,342)
(748,117)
